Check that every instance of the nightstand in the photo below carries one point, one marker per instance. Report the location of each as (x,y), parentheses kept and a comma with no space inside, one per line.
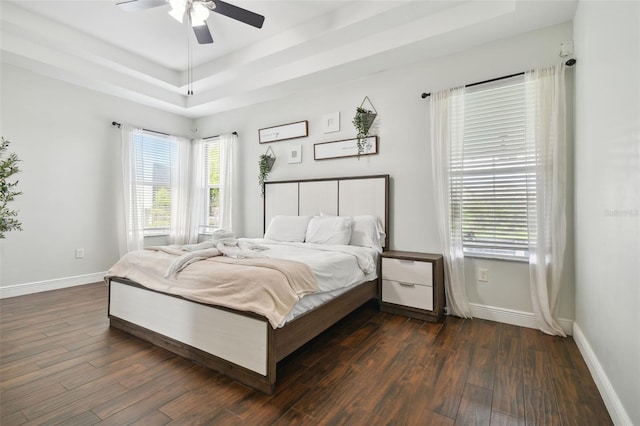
(412,285)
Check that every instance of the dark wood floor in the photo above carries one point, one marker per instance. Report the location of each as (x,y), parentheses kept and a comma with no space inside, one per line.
(60,363)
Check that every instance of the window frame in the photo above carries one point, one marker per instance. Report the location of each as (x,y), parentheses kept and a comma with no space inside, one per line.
(477,175)
(205,227)
(142,181)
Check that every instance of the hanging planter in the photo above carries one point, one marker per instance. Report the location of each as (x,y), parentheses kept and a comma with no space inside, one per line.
(265,164)
(362,121)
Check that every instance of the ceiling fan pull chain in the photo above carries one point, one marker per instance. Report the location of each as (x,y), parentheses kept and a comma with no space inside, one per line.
(189,60)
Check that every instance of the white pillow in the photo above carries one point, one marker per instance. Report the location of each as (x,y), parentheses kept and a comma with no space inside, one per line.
(367,231)
(287,228)
(329,230)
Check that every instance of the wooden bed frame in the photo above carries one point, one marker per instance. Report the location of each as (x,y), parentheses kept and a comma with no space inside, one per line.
(243,345)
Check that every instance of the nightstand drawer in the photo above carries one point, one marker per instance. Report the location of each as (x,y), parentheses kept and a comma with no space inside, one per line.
(407,271)
(408,294)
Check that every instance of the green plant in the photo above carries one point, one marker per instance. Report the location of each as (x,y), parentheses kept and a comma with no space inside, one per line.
(265,163)
(362,121)
(8,168)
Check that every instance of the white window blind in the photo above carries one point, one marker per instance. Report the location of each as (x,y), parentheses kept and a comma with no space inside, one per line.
(495,168)
(212,167)
(155,157)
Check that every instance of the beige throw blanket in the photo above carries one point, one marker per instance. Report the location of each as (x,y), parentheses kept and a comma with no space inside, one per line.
(269,287)
(223,243)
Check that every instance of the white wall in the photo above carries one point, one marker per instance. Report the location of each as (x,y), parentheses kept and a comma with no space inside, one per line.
(69,152)
(404,153)
(607,204)
(64,136)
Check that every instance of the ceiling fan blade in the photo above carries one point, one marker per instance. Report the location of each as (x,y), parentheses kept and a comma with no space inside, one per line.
(135,5)
(238,13)
(203,35)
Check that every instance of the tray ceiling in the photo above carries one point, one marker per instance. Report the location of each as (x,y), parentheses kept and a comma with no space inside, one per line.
(142,56)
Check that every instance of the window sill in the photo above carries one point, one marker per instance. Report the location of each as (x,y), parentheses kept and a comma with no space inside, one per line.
(495,256)
(208,230)
(160,234)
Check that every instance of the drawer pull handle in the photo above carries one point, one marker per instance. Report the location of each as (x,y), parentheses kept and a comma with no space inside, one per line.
(406,260)
(406,284)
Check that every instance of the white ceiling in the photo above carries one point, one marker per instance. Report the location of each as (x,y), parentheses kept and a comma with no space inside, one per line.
(142,56)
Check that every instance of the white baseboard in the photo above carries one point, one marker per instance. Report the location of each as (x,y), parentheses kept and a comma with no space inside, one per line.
(513,317)
(39,286)
(617,412)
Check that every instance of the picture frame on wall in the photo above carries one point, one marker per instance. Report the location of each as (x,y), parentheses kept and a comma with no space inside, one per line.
(299,129)
(331,122)
(295,154)
(344,148)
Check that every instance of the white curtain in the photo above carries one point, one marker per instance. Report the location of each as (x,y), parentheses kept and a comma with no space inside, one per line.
(188,189)
(198,190)
(546,142)
(180,191)
(227,146)
(131,213)
(447,133)
(199,184)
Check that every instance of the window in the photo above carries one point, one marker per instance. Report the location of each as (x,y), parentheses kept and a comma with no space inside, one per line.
(155,157)
(212,170)
(492,172)
(174,187)
(212,175)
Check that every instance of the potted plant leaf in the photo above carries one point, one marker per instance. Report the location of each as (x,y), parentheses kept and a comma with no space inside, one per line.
(265,164)
(8,168)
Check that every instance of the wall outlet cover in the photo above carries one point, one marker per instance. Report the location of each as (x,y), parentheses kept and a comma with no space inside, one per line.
(483,275)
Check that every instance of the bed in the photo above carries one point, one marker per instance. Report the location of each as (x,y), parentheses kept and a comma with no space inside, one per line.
(243,345)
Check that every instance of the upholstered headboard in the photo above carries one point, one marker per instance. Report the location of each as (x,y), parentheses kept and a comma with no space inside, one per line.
(343,196)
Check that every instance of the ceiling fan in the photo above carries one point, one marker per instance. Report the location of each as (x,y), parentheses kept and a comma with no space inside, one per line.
(197,12)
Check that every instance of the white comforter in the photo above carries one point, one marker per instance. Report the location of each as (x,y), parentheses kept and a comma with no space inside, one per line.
(335,266)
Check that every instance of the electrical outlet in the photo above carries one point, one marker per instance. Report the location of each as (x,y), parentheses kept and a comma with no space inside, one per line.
(483,275)
(79,253)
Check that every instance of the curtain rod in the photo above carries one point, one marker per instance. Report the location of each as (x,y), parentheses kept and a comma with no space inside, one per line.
(115,123)
(216,136)
(569,63)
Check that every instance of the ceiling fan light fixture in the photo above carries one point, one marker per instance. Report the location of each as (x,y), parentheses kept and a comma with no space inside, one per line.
(199,12)
(178,8)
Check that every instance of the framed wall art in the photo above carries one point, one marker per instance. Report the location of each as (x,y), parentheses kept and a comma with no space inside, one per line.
(344,148)
(284,132)
(295,154)
(331,122)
